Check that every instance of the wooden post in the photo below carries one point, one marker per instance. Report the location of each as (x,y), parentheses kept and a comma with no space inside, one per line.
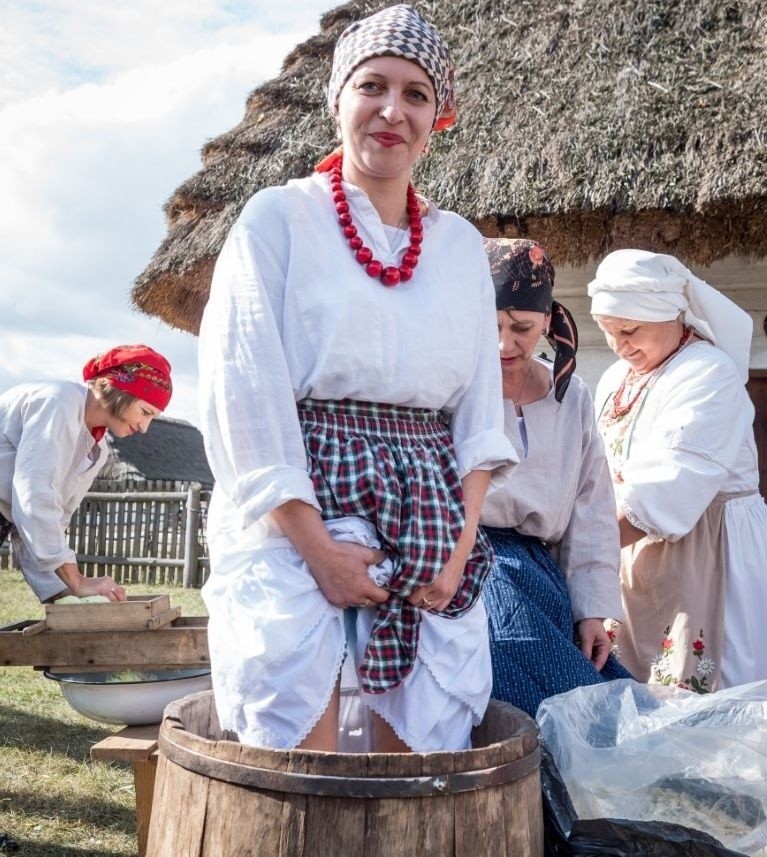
(191,545)
(137,745)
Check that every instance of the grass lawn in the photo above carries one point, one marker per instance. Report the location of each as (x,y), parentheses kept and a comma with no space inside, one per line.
(53,800)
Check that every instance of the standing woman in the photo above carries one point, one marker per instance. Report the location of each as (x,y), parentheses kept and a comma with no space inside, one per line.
(678,428)
(350,400)
(552,524)
(52,446)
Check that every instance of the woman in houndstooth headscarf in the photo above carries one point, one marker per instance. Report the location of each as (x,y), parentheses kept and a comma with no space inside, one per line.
(351,414)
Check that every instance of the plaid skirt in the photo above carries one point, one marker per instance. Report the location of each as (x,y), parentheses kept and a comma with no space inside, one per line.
(396,468)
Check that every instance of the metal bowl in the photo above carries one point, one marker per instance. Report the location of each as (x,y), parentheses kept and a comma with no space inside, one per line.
(127,697)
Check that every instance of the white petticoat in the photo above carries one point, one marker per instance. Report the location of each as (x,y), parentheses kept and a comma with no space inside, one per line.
(277,647)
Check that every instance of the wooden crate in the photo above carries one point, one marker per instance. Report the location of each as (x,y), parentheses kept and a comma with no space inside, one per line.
(137,613)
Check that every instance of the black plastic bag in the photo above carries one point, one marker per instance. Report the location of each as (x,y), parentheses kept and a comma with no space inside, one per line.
(568,836)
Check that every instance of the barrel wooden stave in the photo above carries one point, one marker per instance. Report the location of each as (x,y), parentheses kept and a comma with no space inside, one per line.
(199,816)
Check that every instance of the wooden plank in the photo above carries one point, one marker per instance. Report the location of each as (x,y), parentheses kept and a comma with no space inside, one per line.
(435,829)
(101,542)
(137,549)
(479,815)
(238,817)
(163,618)
(172,647)
(121,539)
(157,513)
(144,775)
(131,744)
(178,822)
(334,825)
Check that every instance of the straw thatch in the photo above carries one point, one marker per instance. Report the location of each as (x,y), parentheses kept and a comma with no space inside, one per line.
(589,125)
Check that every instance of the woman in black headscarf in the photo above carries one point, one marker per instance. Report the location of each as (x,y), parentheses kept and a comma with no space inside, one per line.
(552,523)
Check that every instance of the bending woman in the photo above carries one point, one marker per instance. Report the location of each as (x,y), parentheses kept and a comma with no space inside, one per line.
(349,401)
(554,581)
(678,427)
(52,446)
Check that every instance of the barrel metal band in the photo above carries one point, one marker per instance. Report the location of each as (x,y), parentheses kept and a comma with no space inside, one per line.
(348,787)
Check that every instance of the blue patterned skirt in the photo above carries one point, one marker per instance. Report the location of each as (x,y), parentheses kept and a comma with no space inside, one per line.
(532,635)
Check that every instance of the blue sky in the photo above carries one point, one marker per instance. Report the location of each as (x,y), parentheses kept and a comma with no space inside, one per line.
(104,106)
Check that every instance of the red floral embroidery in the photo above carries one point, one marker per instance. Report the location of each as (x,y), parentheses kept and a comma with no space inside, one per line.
(661,668)
(537,255)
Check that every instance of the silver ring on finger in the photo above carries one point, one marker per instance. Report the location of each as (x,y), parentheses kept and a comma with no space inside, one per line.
(366,603)
(426,603)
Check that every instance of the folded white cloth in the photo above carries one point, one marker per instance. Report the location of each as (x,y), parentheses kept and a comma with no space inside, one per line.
(362,532)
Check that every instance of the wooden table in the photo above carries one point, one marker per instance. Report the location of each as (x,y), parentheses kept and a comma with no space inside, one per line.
(137,745)
(181,644)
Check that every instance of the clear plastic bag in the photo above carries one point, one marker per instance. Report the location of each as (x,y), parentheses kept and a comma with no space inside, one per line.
(649,753)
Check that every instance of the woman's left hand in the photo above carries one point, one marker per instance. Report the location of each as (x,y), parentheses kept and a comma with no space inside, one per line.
(594,641)
(438,594)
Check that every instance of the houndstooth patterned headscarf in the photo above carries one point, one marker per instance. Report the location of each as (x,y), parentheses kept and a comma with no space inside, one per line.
(397,31)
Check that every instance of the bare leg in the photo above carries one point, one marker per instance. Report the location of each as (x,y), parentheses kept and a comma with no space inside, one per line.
(385,739)
(324,736)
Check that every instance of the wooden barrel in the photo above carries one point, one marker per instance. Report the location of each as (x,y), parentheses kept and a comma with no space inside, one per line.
(215,796)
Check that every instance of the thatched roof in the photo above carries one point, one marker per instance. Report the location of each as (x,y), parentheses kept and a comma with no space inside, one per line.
(171,450)
(588,125)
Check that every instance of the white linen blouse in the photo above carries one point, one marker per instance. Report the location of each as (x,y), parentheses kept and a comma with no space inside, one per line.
(561,493)
(692,440)
(48,461)
(292,314)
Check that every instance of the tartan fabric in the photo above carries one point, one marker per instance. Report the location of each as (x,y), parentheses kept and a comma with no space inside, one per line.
(396,468)
(5,528)
(397,31)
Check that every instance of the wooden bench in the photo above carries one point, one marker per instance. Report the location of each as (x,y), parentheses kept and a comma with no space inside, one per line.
(137,745)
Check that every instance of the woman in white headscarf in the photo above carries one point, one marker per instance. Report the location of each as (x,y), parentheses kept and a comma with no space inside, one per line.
(678,428)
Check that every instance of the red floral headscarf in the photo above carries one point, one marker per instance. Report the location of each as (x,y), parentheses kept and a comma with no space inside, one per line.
(135,369)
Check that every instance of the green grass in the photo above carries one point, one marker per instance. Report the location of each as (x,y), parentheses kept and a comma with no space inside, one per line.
(54,800)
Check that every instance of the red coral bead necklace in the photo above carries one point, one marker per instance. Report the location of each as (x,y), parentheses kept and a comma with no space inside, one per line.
(389,275)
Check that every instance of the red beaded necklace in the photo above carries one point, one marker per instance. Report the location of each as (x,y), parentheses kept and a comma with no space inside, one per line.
(616,410)
(390,275)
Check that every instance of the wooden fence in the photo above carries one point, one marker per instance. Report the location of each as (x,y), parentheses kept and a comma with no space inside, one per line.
(142,536)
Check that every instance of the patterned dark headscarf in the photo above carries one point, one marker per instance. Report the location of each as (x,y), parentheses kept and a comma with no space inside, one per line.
(523,277)
(397,31)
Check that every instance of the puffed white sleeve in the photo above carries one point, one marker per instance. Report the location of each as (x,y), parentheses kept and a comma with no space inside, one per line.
(48,443)
(247,404)
(699,422)
(589,552)
(477,420)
